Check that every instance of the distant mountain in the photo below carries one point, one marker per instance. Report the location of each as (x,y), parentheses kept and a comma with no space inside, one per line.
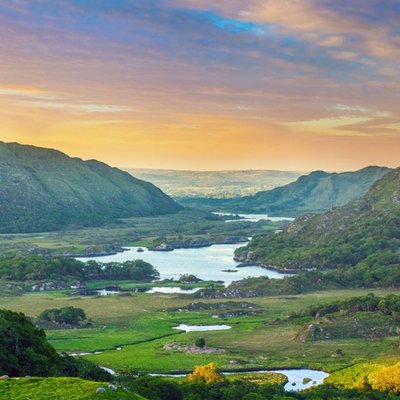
(215,184)
(319,191)
(365,232)
(44,189)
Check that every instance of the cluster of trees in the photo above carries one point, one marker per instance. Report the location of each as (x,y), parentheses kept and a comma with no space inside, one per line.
(66,315)
(387,379)
(36,268)
(156,388)
(24,350)
(136,270)
(387,305)
(189,278)
(362,276)
(33,268)
(371,244)
(206,373)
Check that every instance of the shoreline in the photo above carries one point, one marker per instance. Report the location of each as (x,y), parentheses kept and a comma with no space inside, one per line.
(269,267)
(172,248)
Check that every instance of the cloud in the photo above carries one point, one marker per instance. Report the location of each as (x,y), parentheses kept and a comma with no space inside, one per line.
(81,107)
(37,98)
(185,70)
(356,109)
(27,93)
(367,25)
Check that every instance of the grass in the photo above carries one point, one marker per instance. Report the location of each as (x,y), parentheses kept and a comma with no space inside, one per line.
(59,389)
(355,376)
(142,324)
(251,346)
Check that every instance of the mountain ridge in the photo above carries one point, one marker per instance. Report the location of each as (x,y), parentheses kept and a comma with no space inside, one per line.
(315,192)
(45,189)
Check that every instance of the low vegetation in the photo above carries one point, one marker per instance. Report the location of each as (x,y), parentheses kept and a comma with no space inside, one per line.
(66,316)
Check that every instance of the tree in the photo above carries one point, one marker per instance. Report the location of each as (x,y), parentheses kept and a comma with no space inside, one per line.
(23,347)
(200,342)
(206,373)
(386,379)
(66,315)
(24,350)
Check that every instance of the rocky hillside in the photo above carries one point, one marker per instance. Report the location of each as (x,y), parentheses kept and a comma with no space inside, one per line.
(43,189)
(365,232)
(316,192)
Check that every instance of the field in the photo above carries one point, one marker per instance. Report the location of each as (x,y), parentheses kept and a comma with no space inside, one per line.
(143,324)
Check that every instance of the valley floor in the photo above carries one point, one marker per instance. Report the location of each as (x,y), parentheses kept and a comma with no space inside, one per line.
(141,325)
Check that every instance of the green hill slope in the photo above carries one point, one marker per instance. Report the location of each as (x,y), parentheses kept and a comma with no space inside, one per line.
(43,189)
(364,232)
(316,192)
(59,389)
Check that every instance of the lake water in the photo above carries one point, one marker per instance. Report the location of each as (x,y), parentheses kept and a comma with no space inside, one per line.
(207,263)
(296,376)
(172,290)
(104,292)
(253,217)
(201,328)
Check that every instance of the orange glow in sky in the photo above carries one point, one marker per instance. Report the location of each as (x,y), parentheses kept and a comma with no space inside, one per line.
(290,85)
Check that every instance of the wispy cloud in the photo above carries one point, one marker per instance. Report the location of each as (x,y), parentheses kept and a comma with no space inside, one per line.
(357,109)
(37,98)
(28,93)
(81,107)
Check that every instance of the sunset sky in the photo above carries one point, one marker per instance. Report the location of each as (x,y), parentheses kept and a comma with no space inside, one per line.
(204,84)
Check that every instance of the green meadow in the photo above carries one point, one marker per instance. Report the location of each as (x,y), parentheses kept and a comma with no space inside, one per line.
(59,389)
(143,324)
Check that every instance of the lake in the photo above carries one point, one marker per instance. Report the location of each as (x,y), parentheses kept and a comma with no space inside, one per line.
(207,263)
(201,328)
(253,217)
(172,290)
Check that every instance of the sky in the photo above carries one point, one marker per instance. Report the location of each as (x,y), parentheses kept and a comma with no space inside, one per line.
(205,85)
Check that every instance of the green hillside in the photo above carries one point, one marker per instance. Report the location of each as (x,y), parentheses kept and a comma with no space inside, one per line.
(59,389)
(364,233)
(316,192)
(43,190)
